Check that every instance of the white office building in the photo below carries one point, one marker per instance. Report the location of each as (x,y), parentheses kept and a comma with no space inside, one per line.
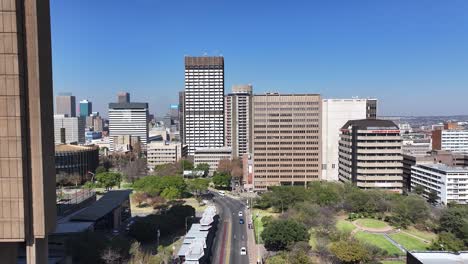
(212,156)
(239,120)
(129,119)
(204,103)
(68,130)
(164,152)
(455,140)
(450,182)
(335,113)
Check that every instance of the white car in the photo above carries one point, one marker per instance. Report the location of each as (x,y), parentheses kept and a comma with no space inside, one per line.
(222,193)
(241,214)
(243,251)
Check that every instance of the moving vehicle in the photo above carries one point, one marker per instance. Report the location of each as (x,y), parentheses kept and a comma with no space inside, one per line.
(241,221)
(241,214)
(243,251)
(222,193)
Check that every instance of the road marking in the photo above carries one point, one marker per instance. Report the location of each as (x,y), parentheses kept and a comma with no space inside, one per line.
(228,247)
(221,255)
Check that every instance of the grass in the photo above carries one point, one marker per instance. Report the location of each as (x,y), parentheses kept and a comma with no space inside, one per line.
(195,204)
(312,239)
(422,234)
(379,241)
(371,223)
(258,228)
(409,242)
(345,226)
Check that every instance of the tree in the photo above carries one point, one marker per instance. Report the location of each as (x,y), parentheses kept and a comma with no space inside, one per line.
(203,167)
(447,241)
(432,197)
(280,234)
(101,169)
(139,198)
(134,169)
(155,185)
(455,220)
(221,180)
(171,193)
(323,193)
(232,167)
(110,256)
(186,164)
(109,179)
(419,189)
(350,251)
(198,186)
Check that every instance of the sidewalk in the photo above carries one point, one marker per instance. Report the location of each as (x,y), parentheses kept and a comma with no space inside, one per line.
(252,247)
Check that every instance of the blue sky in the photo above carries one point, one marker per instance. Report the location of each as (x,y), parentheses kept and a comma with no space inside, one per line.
(411,55)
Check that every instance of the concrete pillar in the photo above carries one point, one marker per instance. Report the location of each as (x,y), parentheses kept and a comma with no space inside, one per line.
(117,217)
(9,252)
(37,251)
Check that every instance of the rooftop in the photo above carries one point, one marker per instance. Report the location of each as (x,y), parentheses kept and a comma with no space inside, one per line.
(71,148)
(213,150)
(437,257)
(371,124)
(446,168)
(103,206)
(128,105)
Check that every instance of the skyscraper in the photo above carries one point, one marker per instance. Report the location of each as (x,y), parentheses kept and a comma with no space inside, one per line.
(238,120)
(204,102)
(129,119)
(86,108)
(123,97)
(182,117)
(335,113)
(370,155)
(27,196)
(286,139)
(72,129)
(65,104)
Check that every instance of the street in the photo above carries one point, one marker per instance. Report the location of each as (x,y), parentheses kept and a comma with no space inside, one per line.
(231,235)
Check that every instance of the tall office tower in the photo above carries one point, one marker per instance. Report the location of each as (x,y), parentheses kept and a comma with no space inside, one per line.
(370,155)
(182,117)
(204,102)
(238,120)
(128,119)
(335,113)
(286,139)
(123,97)
(72,129)
(86,108)
(66,104)
(27,196)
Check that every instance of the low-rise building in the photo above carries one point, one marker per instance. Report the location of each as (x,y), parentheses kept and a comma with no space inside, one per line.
(370,155)
(454,140)
(69,130)
(71,160)
(163,152)
(449,182)
(212,156)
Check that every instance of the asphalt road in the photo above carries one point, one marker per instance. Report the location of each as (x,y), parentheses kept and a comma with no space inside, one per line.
(231,235)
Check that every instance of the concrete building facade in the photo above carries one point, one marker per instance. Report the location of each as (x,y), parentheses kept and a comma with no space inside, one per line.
(164,152)
(449,182)
(129,119)
(238,120)
(286,139)
(204,103)
(71,160)
(65,104)
(123,97)
(370,155)
(335,113)
(454,140)
(72,129)
(212,156)
(27,196)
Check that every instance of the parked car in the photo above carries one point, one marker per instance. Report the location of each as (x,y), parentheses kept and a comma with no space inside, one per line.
(243,251)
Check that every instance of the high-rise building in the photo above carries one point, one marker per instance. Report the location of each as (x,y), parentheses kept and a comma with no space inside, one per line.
(66,104)
(123,97)
(27,196)
(450,183)
(454,140)
(335,113)
(181,116)
(238,120)
(204,102)
(370,155)
(86,108)
(129,119)
(286,139)
(70,129)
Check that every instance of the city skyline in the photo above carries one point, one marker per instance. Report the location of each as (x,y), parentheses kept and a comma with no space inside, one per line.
(377,50)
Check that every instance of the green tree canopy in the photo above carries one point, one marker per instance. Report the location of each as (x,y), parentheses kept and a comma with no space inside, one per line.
(155,185)
(203,167)
(350,251)
(222,180)
(280,234)
(109,179)
(448,241)
(198,186)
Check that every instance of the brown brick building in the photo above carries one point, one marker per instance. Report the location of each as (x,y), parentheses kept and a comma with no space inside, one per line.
(286,139)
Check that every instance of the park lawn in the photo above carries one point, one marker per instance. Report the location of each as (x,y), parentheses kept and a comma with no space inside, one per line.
(258,228)
(379,241)
(371,223)
(409,242)
(195,204)
(345,226)
(422,234)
